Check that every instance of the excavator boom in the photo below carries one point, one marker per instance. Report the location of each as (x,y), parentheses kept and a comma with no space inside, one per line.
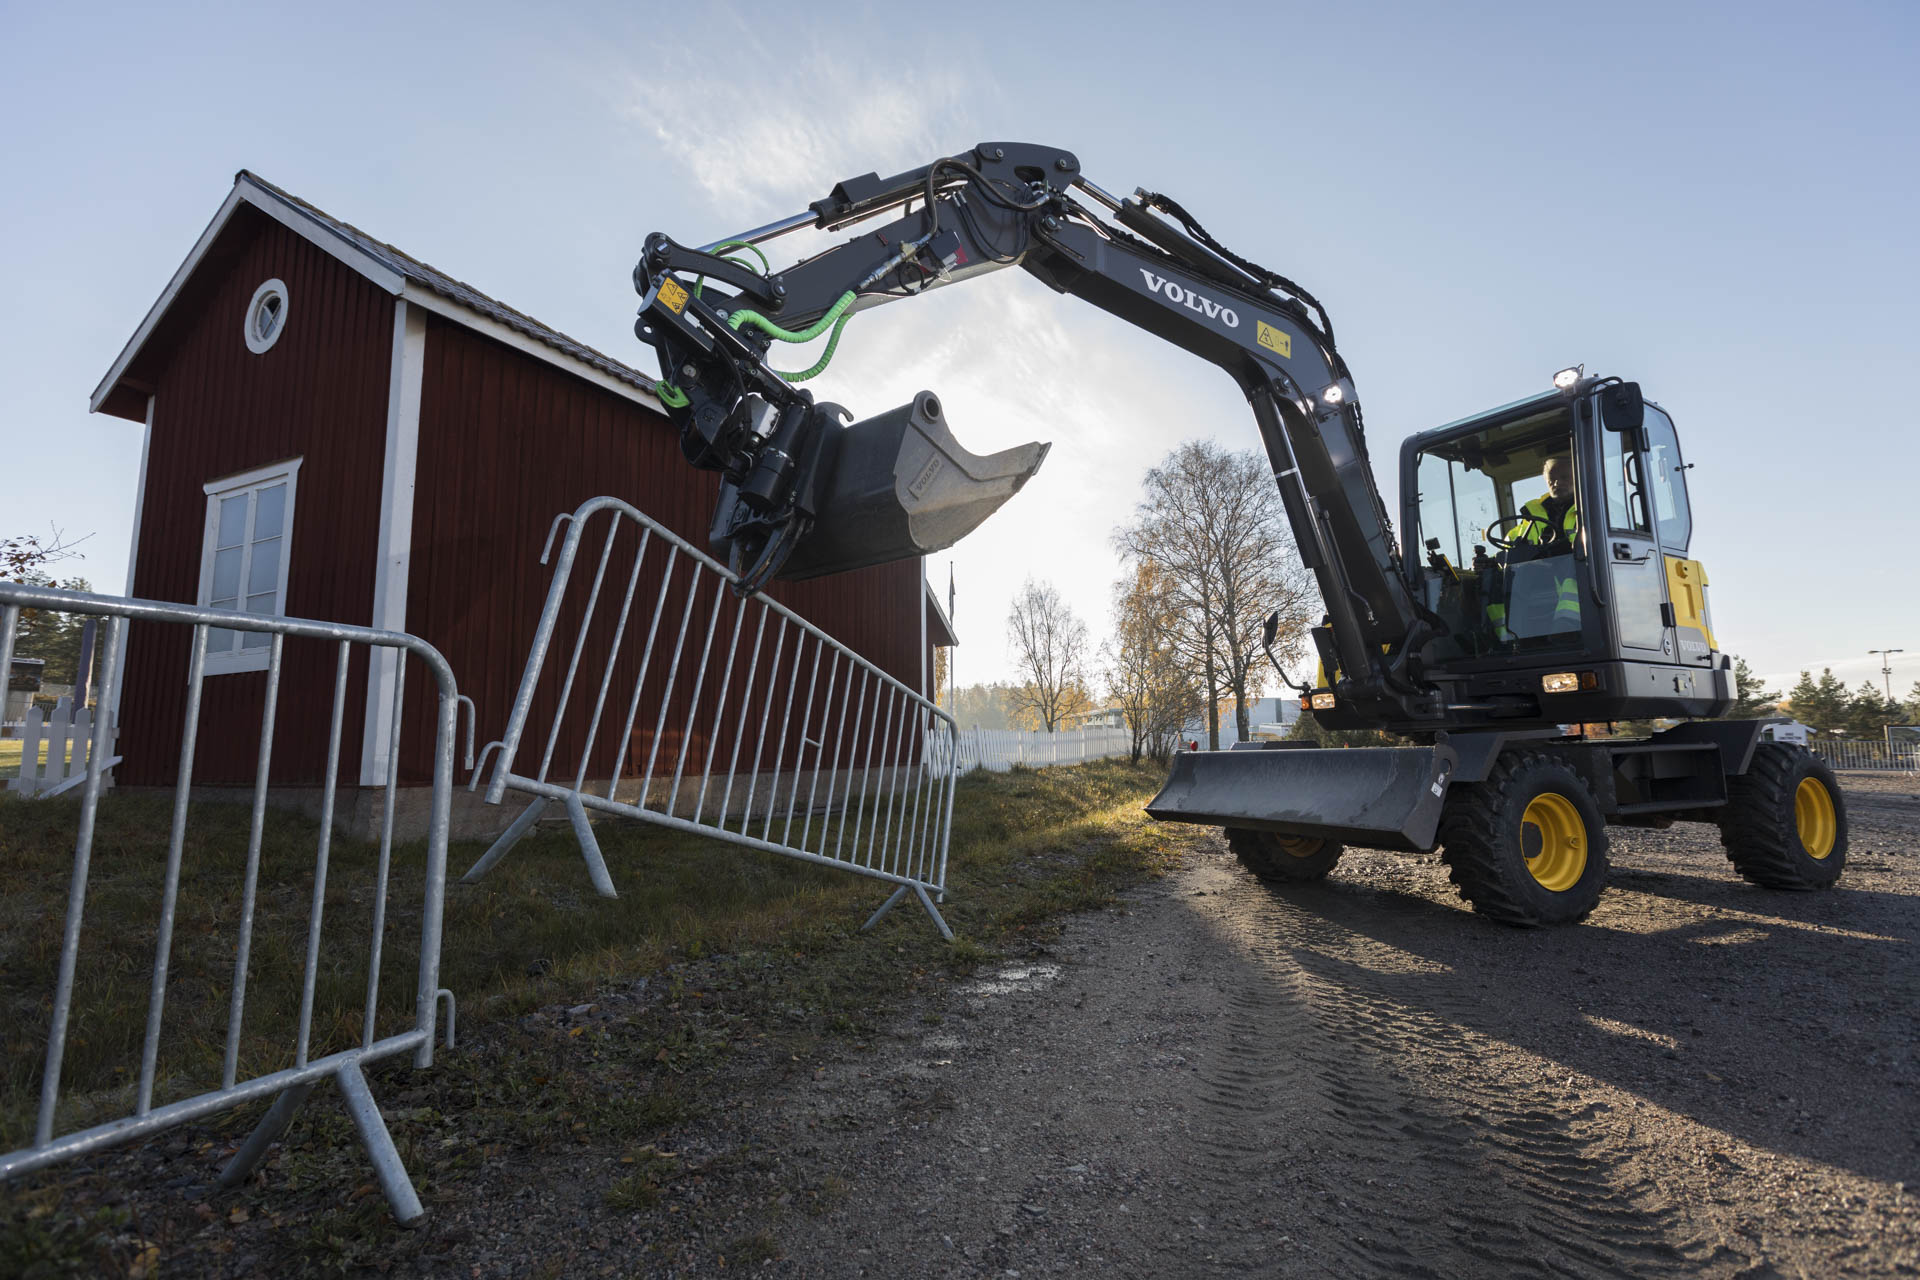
(788,502)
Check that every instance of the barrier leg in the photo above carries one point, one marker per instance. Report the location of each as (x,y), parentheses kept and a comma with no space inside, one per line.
(899,895)
(939,921)
(264,1135)
(589,848)
(372,1127)
(508,838)
(885,907)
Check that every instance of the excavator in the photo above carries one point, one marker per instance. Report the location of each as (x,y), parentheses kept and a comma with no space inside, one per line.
(1543,583)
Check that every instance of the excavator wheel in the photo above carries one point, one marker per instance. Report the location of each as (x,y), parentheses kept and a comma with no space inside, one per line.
(1282,859)
(1785,824)
(1527,846)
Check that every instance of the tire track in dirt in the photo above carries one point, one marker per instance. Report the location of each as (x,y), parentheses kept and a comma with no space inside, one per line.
(1329,1044)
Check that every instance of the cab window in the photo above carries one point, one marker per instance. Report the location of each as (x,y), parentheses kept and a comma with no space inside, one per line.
(1626,487)
(1668,480)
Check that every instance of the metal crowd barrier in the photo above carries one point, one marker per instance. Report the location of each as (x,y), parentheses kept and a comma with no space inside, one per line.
(1851,753)
(292,1085)
(791,743)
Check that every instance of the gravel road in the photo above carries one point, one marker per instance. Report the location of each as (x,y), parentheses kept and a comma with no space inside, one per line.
(1362,1078)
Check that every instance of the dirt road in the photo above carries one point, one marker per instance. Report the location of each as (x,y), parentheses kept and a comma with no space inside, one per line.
(1362,1078)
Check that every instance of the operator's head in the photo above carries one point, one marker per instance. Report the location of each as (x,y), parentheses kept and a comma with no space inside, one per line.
(1559,477)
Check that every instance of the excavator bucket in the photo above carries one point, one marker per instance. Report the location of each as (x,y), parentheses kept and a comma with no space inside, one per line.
(1380,797)
(899,485)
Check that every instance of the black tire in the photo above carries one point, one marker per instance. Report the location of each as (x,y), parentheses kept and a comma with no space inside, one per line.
(1284,859)
(1488,827)
(1772,829)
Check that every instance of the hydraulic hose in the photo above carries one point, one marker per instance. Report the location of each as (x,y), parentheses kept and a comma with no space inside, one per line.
(836,318)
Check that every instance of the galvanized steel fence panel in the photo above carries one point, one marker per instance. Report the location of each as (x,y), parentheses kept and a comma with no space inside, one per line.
(1846,753)
(686,706)
(290,1085)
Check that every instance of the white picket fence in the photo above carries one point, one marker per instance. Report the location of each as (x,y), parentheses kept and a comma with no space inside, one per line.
(65,739)
(998,750)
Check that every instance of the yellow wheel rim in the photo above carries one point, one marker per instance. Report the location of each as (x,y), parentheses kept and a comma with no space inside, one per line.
(1813,815)
(1554,841)
(1300,846)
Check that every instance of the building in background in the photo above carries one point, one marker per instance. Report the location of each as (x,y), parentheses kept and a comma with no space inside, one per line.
(335,430)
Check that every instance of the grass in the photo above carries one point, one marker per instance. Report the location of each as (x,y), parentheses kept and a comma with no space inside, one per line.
(1026,847)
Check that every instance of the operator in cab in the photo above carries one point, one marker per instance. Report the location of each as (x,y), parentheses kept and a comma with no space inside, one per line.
(1550,533)
(1555,519)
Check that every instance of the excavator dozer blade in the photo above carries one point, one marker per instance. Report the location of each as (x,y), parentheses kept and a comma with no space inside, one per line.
(899,485)
(1380,797)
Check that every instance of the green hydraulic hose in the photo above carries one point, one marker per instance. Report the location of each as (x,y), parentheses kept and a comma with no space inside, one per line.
(836,317)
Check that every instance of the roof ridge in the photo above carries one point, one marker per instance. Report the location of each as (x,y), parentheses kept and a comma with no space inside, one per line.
(450,287)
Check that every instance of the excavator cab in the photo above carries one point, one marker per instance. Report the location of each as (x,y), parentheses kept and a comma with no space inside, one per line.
(1550,538)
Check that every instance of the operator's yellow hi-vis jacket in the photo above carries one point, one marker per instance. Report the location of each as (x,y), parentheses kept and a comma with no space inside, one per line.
(1566,605)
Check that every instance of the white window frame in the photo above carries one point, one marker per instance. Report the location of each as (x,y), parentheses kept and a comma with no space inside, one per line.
(255,343)
(247,482)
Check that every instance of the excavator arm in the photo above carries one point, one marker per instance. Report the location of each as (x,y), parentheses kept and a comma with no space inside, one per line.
(802,494)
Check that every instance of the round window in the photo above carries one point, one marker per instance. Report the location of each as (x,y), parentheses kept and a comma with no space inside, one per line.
(266,315)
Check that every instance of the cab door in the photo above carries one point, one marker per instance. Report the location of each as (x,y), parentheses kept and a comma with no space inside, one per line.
(1629,549)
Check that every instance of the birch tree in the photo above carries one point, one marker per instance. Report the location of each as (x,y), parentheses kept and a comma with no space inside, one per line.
(1050,650)
(1210,523)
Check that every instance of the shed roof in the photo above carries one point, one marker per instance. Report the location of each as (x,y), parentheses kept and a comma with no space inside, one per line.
(394,270)
(940,632)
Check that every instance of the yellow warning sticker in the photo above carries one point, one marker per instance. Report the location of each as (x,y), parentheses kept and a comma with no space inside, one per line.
(674,297)
(1275,339)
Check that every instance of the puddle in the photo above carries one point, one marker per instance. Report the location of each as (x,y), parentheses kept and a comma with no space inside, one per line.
(1011,978)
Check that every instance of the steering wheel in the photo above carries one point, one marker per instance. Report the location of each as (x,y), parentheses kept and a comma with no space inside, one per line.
(1521,519)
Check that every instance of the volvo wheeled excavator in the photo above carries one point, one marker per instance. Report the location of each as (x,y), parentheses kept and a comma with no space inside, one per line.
(1544,580)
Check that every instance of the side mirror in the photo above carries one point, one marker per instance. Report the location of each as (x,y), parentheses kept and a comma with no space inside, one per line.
(1622,408)
(1269,632)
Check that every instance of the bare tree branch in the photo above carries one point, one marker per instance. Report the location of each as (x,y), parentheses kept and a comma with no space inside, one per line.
(1210,524)
(1050,648)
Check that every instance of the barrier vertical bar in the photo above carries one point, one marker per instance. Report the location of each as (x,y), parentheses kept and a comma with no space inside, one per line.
(819,752)
(613,656)
(853,750)
(579,643)
(800,752)
(640,677)
(386,856)
(699,685)
(170,893)
(786,722)
(311,971)
(720,711)
(766,710)
(673,676)
(746,709)
(243,955)
(70,939)
(434,893)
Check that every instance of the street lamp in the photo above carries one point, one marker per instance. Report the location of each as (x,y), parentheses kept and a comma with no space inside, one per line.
(1886,668)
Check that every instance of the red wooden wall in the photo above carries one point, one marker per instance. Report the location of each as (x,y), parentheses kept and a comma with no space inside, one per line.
(507,442)
(319,393)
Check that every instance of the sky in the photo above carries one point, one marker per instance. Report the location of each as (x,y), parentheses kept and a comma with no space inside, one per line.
(1718,201)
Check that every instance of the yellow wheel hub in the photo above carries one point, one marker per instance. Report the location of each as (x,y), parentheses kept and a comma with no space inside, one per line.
(1554,841)
(1813,815)
(1300,846)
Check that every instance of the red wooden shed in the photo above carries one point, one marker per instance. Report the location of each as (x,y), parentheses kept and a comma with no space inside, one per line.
(336,430)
